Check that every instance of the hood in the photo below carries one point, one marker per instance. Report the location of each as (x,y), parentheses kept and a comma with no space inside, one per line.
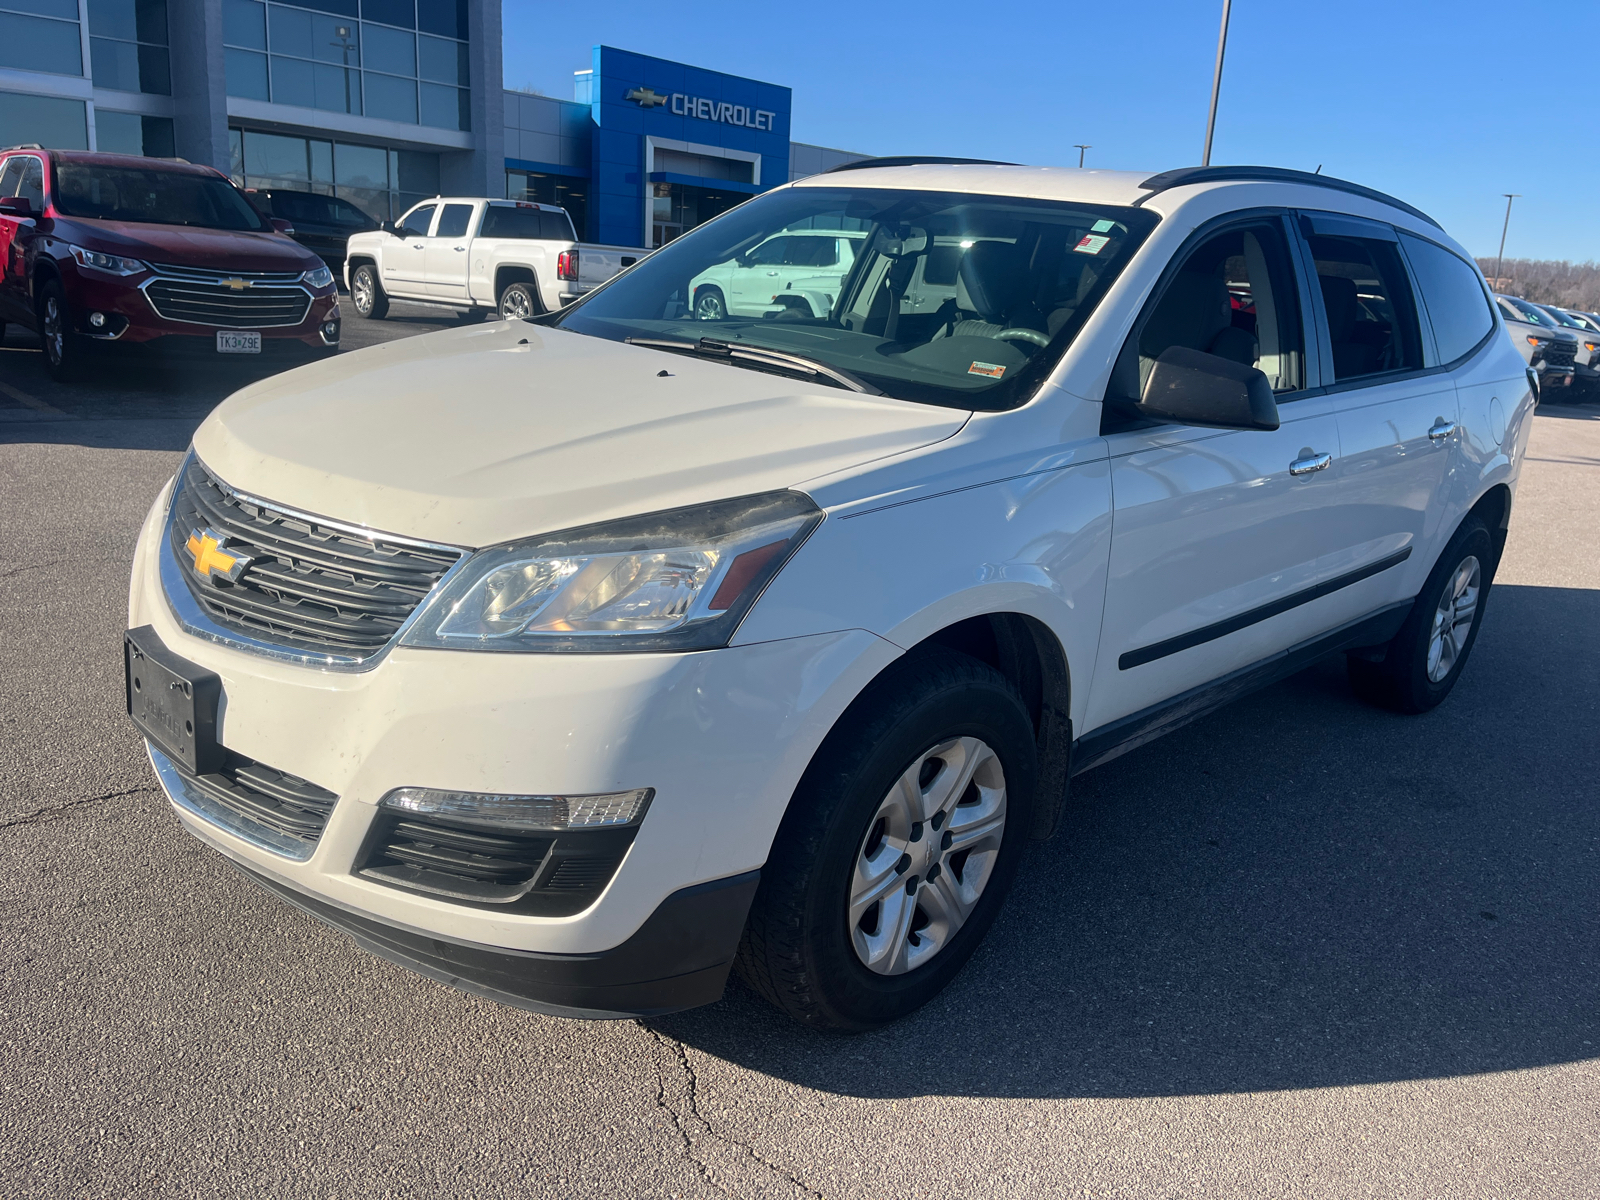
(186,246)
(481,435)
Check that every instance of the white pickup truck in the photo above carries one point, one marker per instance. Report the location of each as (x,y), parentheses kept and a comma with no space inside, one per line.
(478,256)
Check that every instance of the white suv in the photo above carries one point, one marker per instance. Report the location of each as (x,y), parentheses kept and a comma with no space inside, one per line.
(571,661)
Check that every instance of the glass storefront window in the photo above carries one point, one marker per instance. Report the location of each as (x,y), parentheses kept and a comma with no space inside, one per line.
(392,98)
(244,24)
(381,182)
(128,45)
(130,133)
(44,119)
(34,39)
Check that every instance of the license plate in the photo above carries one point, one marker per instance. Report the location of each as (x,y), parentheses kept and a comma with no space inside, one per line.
(238,343)
(172,701)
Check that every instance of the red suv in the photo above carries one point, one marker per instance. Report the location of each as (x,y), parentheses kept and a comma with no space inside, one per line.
(111,250)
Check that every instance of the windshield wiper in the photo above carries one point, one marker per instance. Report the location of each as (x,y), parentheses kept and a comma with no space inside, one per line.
(761,356)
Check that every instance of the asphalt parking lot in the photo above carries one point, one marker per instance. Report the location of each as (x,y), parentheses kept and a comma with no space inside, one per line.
(1301,948)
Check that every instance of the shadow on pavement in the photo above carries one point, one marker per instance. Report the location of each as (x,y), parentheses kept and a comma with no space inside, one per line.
(1298,891)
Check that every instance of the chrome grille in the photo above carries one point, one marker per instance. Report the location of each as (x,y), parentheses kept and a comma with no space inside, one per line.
(308,585)
(269,301)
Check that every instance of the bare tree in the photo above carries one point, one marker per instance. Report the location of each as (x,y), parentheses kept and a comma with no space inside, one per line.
(1544,281)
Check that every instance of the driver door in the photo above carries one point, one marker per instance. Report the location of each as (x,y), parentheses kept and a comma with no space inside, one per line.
(405,256)
(755,279)
(1220,538)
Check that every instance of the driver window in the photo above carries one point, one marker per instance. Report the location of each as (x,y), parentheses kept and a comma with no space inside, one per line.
(1234,297)
(416,223)
(769,253)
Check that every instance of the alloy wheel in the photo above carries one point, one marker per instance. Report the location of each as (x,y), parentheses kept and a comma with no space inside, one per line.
(361,293)
(1452,621)
(55,337)
(928,854)
(709,307)
(515,305)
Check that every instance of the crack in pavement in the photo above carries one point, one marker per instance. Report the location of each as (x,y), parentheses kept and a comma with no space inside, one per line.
(30,567)
(682,1121)
(55,810)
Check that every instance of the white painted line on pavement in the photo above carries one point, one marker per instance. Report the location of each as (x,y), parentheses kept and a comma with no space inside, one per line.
(22,397)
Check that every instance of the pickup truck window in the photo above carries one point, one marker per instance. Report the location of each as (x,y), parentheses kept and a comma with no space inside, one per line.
(416,222)
(944,298)
(503,221)
(152,196)
(453,221)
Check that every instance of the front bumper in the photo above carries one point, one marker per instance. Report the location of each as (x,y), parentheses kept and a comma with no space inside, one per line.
(722,736)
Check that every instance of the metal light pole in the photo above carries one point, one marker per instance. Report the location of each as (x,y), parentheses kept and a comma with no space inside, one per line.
(1499,258)
(344,45)
(1216,83)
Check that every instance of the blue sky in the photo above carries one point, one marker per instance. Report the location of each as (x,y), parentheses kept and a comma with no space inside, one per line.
(1443,104)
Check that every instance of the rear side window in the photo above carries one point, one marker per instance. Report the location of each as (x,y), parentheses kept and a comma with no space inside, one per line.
(812,252)
(453,221)
(1372,315)
(1457,307)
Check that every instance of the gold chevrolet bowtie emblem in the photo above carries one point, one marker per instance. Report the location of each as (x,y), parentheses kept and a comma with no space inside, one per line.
(646,97)
(236,283)
(211,561)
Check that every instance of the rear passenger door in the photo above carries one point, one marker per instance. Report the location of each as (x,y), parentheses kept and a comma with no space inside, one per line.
(448,255)
(1396,404)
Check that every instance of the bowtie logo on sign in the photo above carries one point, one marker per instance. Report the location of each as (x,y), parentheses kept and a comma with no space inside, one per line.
(680,105)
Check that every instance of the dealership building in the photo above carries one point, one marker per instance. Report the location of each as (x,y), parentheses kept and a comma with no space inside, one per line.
(386,102)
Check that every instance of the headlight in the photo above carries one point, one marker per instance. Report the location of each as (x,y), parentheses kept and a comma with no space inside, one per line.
(109,263)
(1536,341)
(319,277)
(677,580)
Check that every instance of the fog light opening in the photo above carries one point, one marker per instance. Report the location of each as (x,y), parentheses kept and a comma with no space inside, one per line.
(98,320)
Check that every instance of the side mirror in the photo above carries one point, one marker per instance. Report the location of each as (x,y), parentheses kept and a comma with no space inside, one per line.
(1193,388)
(17,206)
(282,226)
(390,228)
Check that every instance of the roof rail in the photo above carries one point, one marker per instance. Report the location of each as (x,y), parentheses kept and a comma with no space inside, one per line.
(916,160)
(26,146)
(1186,175)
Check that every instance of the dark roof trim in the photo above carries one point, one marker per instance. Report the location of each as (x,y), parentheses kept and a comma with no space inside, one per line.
(912,160)
(1187,175)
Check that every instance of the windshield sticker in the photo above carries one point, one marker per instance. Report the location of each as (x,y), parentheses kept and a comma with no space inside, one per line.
(1102,227)
(1091,244)
(992,370)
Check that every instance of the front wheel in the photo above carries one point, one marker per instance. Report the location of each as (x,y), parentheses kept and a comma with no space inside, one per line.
(1421,665)
(62,347)
(367,293)
(898,848)
(518,302)
(709,305)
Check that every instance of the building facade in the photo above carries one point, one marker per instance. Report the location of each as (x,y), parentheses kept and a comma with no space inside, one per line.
(386,102)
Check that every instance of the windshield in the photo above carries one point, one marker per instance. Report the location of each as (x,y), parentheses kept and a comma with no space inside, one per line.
(1565,319)
(1530,314)
(152,196)
(941,297)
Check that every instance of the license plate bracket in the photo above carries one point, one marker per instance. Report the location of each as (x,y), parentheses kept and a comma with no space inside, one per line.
(238,343)
(173,702)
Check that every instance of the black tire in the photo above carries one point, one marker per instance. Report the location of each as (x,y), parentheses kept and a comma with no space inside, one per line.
(798,949)
(63,347)
(710,305)
(367,296)
(519,302)
(1401,681)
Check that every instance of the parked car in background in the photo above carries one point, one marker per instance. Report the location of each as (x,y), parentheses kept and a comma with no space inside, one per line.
(1548,348)
(1586,367)
(112,252)
(322,224)
(802,268)
(569,660)
(479,256)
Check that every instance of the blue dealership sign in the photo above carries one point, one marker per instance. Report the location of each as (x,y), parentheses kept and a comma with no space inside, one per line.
(658,122)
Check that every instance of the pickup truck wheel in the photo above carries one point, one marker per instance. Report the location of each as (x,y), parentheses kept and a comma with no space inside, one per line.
(898,847)
(367,294)
(518,302)
(63,351)
(709,304)
(1423,662)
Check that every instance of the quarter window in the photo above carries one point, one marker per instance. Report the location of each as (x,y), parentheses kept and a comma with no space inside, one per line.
(1457,308)
(1372,317)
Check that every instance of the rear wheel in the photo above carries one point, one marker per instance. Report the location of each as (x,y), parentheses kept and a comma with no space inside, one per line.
(898,847)
(367,294)
(63,349)
(519,302)
(1421,665)
(709,305)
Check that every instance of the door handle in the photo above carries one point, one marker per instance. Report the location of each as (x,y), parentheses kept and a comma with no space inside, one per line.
(1310,464)
(416,245)
(771,272)
(1441,430)
(459,249)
